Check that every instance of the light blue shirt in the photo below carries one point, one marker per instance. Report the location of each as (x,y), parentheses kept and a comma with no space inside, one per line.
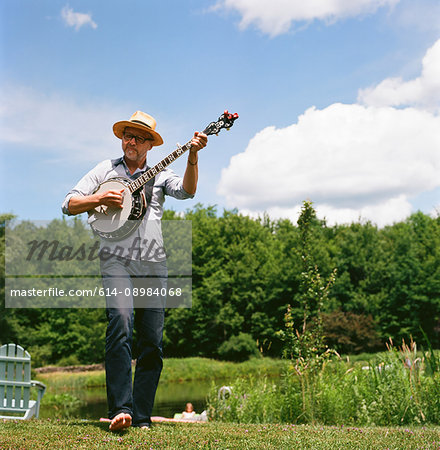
(166,182)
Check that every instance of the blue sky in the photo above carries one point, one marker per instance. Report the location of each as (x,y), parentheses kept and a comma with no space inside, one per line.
(338,101)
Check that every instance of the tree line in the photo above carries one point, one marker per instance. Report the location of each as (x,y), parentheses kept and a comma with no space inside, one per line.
(245,273)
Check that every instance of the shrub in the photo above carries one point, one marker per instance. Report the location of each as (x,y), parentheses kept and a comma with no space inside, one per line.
(348,332)
(238,348)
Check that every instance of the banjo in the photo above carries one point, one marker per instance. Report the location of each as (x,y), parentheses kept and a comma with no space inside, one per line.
(115,224)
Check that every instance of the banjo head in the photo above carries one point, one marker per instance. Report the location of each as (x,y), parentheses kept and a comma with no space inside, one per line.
(105,219)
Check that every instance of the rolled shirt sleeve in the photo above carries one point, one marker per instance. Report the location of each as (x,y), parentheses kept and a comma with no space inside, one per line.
(173,186)
(87,184)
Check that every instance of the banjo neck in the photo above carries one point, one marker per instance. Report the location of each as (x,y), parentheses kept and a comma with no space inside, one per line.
(226,120)
(161,165)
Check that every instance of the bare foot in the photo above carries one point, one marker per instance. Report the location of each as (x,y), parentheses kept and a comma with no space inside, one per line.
(121,421)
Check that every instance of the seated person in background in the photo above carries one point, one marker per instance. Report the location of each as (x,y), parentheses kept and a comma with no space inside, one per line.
(189,412)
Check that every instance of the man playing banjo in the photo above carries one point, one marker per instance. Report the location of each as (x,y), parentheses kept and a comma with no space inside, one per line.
(132,405)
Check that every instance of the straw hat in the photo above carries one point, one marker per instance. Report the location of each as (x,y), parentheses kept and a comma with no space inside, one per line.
(142,121)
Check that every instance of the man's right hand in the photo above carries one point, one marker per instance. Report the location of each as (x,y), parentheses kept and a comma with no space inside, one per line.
(112,198)
(80,204)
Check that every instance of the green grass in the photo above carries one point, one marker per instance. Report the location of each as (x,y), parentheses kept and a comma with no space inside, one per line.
(187,369)
(175,369)
(87,434)
(80,434)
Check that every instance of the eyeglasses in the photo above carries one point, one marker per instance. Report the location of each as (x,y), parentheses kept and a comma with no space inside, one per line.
(139,139)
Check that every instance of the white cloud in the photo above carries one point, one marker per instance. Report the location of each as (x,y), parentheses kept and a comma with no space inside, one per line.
(420,15)
(276,17)
(63,127)
(423,91)
(392,210)
(76,19)
(356,161)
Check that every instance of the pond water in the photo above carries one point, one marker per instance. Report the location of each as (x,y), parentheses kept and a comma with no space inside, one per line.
(171,398)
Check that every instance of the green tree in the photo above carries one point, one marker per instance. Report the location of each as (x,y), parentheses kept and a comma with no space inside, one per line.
(412,286)
(6,331)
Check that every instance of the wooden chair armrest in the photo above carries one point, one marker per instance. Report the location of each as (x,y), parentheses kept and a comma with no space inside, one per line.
(39,385)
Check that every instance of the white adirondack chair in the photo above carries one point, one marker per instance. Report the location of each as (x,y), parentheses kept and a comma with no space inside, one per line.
(16,383)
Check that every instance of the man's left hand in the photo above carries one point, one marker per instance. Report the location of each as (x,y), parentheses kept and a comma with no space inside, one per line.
(198,141)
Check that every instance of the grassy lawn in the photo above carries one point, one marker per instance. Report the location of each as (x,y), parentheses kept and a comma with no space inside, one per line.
(90,434)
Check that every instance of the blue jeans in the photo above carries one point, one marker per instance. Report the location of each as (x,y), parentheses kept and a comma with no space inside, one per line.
(128,310)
